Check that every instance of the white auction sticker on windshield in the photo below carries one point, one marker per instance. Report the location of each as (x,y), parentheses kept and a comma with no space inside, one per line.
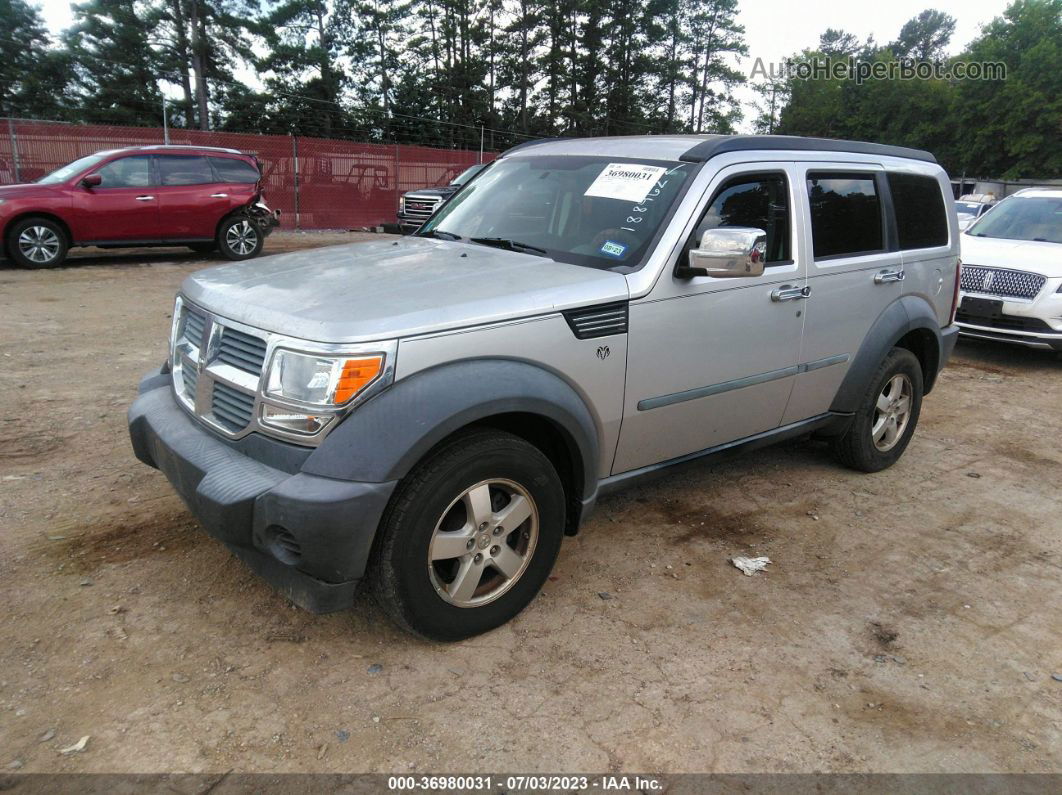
(626,181)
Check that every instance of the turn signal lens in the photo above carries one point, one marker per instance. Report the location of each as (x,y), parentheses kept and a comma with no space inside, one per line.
(355,376)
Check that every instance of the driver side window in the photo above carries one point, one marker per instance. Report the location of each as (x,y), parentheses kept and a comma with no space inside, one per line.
(760,201)
(127,172)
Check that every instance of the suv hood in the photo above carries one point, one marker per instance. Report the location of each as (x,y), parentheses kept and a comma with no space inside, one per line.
(1021,255)
(29,190)
(363,292)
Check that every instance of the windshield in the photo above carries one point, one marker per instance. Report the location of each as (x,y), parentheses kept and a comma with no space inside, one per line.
(466,175)
(596,211)
(1023,218)
(969,208)
(69,170)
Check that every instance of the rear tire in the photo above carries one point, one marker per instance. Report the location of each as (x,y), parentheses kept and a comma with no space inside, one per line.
(887,415)
(239,238)
(37,243)
(446,566)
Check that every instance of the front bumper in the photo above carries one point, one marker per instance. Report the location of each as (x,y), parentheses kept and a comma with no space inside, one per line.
(1036,323)
(309,536)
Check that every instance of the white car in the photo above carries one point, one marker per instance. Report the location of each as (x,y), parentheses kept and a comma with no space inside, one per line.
(1011,288)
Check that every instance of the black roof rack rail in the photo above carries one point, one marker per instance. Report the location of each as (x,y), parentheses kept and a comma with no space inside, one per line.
(526,144)
(711,147)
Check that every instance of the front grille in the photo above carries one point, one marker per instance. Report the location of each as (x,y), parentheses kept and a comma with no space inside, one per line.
(190,379)
(232,409)
(598,321)
(1001,282)
(1006,323)
(193,327)
(242,350)
(421,209)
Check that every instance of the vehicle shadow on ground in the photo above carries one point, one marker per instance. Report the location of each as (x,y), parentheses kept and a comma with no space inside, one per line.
(1001,357)
(134,258)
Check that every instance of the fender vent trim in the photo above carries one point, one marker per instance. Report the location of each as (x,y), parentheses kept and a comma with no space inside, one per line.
(602,320)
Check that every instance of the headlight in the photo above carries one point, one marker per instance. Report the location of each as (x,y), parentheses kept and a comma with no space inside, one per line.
(317,380)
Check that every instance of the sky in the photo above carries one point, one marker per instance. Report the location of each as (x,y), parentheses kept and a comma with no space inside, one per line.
(775,29)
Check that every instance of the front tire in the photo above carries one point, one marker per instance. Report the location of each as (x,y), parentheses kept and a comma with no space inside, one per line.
(37,243)
(239,238)
(470,537)
(887,416)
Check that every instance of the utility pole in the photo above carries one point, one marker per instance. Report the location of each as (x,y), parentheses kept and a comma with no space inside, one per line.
(165,124)
(480,143)
(14,149)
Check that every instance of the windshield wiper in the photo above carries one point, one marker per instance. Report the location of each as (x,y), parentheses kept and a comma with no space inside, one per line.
(511,245)
(442,234)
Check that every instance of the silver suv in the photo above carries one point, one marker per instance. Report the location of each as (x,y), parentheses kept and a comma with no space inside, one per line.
(435,413)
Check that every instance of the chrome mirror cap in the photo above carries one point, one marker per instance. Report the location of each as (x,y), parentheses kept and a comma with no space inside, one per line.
(729,252)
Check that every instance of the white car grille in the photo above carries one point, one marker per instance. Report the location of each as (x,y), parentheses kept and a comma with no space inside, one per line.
(1001,282)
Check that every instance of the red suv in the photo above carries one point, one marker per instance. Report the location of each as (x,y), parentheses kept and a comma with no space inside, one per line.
(201,197)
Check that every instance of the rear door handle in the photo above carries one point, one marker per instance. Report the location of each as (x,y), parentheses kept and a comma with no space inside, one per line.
(885,277)
(790,293)
(219,195)
(145,198)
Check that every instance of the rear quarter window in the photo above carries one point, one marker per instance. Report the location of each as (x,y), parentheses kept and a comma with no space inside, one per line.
(921,218)
(230,169)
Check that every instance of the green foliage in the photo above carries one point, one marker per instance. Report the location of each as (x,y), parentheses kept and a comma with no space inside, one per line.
(1009,128)
(32,76)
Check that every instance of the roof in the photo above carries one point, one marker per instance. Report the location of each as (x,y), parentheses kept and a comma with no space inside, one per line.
(1050,193)
(700,148)
(174,148)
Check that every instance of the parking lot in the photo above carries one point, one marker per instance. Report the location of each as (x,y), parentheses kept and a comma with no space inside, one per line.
(909,621)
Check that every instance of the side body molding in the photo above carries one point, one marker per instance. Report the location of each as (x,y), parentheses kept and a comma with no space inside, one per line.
(902,316)
(383,439)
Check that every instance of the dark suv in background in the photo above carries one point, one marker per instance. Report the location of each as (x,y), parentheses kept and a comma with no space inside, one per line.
(202,197)
(417,206)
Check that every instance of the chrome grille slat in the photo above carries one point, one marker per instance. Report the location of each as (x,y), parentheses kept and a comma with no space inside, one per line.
(193,327)
(1001,282)
(242,350)
(231,407)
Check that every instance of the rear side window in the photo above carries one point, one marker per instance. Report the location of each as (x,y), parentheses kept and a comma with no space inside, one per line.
(127,172)
(845,214)
(760,201)
(231,170)
(919,206)
(181,170)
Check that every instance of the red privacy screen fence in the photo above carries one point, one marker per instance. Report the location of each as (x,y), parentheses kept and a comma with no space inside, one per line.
(317,183)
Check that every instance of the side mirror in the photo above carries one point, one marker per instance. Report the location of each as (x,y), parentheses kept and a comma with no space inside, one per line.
(92,181)
(727,252)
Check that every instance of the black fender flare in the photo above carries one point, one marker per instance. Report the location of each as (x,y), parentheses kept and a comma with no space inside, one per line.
(384,439)
(904,315)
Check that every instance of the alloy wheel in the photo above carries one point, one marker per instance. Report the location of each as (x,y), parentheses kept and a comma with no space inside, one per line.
(892,412)
(39,244)
(241,238)
(483,543)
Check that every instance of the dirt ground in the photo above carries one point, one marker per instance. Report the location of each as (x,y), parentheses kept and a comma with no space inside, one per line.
(910,620)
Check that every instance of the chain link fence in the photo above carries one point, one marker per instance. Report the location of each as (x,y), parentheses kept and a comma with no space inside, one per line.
(317,183)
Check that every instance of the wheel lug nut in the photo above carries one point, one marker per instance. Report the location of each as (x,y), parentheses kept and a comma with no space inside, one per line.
(478,558)
(471,543)
(494,550)
(499,530)
(483,527)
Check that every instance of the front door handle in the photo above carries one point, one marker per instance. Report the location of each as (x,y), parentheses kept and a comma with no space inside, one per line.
(145,198)
(219,195)
(885,277)
(790,293)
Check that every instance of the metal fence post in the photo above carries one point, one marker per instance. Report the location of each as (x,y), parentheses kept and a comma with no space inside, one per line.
(14,149)
(295,160)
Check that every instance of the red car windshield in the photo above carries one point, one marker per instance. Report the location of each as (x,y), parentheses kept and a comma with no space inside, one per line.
(69,170)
